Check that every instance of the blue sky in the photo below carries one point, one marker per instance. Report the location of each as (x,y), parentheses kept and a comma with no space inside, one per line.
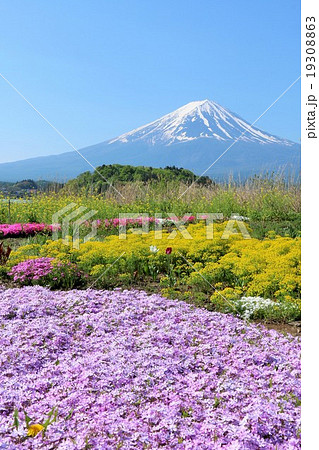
(99,68)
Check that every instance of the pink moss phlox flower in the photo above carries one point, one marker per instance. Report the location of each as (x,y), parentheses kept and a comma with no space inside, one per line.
(32,269)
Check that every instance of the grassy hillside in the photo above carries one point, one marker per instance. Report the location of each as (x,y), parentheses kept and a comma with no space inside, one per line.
(100,180)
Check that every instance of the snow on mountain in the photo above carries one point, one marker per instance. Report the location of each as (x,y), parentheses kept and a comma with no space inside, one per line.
(193,137)
(199,119)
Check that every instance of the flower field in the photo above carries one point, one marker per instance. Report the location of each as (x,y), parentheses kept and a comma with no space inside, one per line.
(90,368)
(217,272)
(141,337)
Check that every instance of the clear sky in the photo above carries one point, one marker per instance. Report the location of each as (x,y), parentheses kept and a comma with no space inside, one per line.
(99,68)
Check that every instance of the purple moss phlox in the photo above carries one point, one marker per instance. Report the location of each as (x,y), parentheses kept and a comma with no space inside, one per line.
(130,370)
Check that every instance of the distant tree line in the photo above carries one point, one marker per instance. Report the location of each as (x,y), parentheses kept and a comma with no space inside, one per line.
(23,187)
(113,173)
(116,173)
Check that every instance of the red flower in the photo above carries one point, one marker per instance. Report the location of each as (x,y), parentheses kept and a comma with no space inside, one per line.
(168,251)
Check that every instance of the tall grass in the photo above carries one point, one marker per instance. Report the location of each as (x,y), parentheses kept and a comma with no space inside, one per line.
(268,202)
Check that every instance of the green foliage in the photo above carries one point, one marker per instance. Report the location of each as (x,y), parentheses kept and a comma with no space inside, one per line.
(27,185)
(116,173)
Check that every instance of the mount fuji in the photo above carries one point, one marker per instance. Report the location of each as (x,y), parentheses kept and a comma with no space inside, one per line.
(201,119)
(193,137)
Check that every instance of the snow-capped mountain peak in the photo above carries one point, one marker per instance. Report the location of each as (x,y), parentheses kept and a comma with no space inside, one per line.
(196,120)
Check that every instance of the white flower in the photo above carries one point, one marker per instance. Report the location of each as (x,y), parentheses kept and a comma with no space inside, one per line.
(250,305)
(239,218)
(153,249)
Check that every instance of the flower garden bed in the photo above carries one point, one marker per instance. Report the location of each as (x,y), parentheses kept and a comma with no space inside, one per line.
(122,369)
(257,279)
(30,229)
(25,229)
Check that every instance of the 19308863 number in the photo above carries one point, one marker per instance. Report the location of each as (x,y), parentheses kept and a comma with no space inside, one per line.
(310,46)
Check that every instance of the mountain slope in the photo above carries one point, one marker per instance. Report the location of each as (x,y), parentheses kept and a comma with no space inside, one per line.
(193,137)
(201,119)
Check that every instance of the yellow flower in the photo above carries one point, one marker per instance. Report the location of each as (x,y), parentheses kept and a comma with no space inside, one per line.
(35,429)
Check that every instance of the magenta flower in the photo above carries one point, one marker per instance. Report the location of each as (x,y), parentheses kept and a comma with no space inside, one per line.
(32,269)
(27,229)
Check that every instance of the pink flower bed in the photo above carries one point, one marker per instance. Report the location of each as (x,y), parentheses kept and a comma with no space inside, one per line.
(25,229)
(30,229)
(117,222)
